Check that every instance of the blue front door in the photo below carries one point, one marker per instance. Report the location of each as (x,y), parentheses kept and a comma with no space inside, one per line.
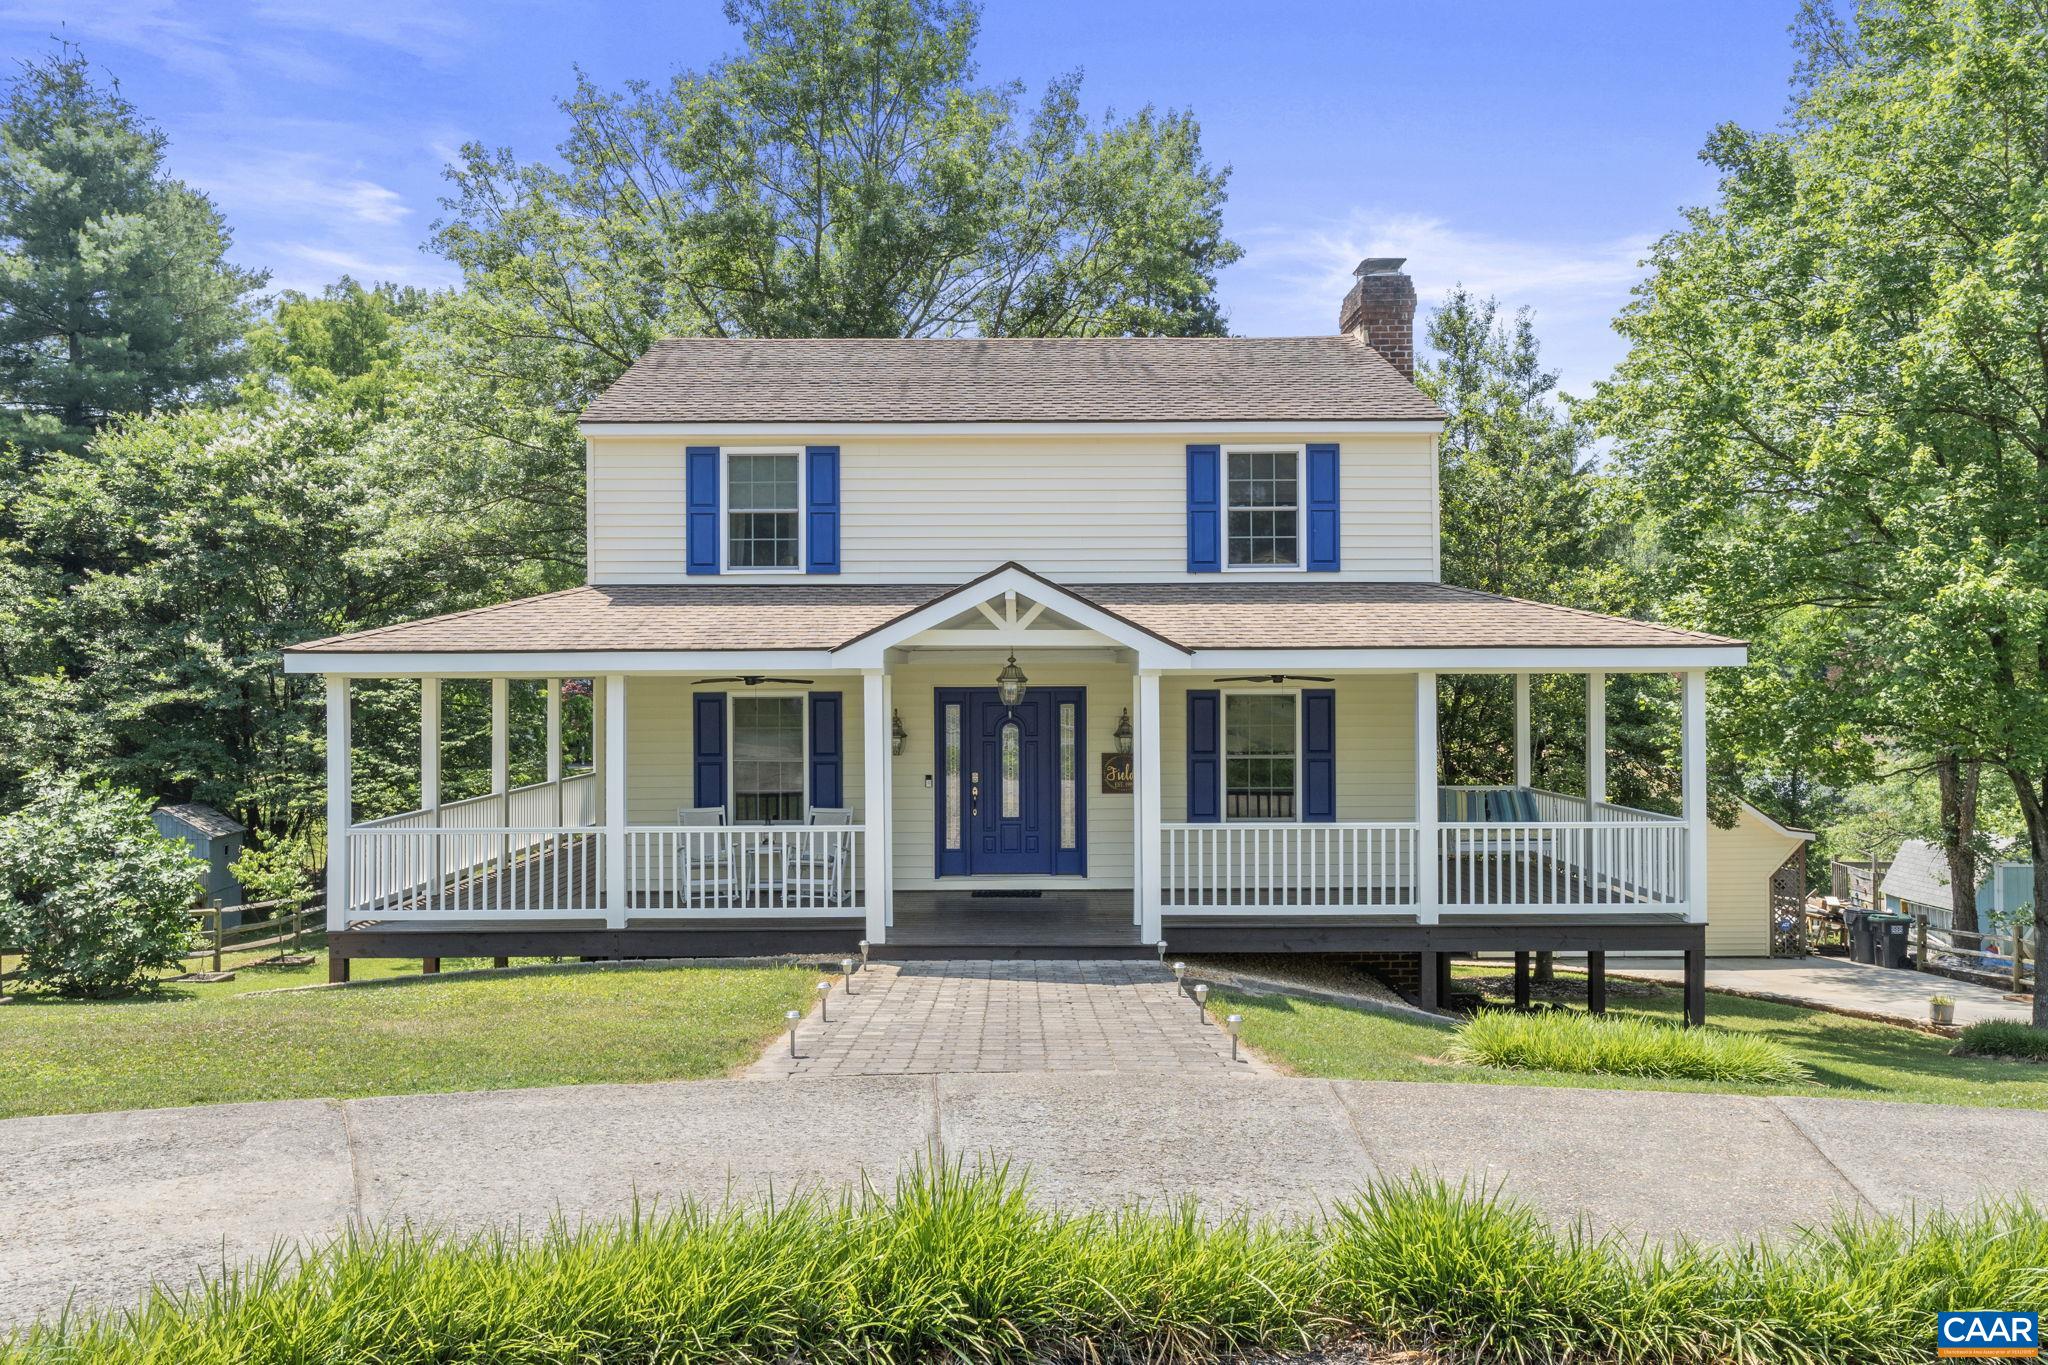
(1009,799)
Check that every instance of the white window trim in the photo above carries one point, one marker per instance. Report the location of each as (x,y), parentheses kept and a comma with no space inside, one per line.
(1300,453)
(1223,753)
(725,509)
(732,752)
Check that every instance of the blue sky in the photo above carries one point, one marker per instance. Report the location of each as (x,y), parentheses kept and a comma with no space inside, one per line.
(1530,151)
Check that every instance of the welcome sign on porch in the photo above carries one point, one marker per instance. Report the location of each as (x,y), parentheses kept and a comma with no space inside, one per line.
(1116,774)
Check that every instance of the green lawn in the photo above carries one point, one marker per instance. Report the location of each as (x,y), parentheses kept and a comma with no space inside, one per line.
(1847,1058)
(219,1043)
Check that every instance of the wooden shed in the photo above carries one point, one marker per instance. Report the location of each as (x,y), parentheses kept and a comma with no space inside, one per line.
(1742,862)
(216,840)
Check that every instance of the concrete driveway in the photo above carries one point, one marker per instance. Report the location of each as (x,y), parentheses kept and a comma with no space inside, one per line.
(99,1205)
(1837,983)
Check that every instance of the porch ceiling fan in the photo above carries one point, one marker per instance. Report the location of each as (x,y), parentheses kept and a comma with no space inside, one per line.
(755,680)
(1276,678)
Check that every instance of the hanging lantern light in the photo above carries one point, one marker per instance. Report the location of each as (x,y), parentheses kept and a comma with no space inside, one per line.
(897,734)
(1122,733)
(1010,683)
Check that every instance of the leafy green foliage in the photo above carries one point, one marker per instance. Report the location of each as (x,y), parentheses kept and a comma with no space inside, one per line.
(1566,1040)
(344,347)
(1836,400)
(91,895)
(115,294)
(961,1264)
(2003,1038)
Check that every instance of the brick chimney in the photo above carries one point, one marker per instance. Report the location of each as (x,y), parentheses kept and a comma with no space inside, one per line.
(1381,309)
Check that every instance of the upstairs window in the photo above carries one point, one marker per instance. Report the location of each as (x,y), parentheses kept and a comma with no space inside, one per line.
(1260,738)
(1263,509)
(764,511)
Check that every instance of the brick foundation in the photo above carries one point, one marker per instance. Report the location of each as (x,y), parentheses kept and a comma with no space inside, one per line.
(1401,972)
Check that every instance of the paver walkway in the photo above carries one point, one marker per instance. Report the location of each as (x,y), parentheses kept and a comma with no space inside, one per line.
(932,1018)
(101,1204)
(1841,984)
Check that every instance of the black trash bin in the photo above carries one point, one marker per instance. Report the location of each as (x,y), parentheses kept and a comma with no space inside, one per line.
(1890,939)
(1856,928)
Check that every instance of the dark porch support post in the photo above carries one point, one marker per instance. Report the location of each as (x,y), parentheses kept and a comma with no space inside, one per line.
(430,966)
(1426,990)
(1443,980)
(337,968)
(1545,973)
(1696,986)
(1596,981)
(1521,979)
(501,962)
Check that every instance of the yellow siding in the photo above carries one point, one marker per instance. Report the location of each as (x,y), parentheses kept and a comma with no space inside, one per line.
(1081,508)
(1109,818)
(1740,861)
(1375,747)
(659,745)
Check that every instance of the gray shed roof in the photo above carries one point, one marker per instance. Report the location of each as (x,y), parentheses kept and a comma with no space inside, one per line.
(202,818)
(1919,873)
(1051,379)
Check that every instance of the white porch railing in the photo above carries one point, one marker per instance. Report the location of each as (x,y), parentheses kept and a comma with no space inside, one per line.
(745,870)
(1212,869)
(1562,865)
(1561,806)
(455,874)
(477,833)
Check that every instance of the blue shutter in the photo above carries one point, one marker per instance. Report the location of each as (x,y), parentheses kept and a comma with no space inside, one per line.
(700,494)
(1205,757)
(1323,552)
(821,514)
(828,751)
(707,723)
(1319,754)
(1205,509)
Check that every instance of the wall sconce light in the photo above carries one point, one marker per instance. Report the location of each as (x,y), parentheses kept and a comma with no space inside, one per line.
(1123,732)
(897,734)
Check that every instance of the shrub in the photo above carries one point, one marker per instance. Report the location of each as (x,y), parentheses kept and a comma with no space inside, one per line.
(2003,1038)
(1560,1040)
(962,1266)
(91,895)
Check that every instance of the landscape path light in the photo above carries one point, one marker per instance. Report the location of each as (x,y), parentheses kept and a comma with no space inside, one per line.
(794,1018)
(846,972)
(824,1002)
(1202,998)
(1234,1023)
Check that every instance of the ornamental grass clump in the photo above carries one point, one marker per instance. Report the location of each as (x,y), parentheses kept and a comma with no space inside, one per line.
(1559,1040)
(2003,1038)
(957,1265)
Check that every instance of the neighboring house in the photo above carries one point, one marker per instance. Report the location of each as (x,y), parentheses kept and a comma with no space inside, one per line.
(1743,866)
(1918,884)
(1021,647)
(215,840)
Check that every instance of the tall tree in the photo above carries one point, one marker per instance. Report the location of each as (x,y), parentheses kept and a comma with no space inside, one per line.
(346,346)
(115,292)
(1836,394)
(845,174)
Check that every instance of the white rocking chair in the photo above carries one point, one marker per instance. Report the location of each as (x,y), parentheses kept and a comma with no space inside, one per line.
(818,871)
(709,873)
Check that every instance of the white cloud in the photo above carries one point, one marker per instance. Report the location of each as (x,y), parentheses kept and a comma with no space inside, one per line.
(311,266)
(307,181)
(429,31)
(1293,278)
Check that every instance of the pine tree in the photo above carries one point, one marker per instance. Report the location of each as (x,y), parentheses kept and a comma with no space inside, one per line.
(115,294)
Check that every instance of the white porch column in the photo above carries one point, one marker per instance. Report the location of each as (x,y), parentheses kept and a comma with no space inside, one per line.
(1596,740)
(1140,855)
(1426,851)
(340,815)
(1694,779)
(430,779)
(874,716)
(501,762)
(600,760)
(554,768)
(614,768)
(1151,924)
(1522,745)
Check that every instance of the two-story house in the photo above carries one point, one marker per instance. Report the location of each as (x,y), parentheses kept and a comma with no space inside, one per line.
(1060,647)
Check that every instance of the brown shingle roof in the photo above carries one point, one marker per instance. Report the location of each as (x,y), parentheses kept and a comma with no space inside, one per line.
(1295,615)
(1054,379)
(1351,615)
